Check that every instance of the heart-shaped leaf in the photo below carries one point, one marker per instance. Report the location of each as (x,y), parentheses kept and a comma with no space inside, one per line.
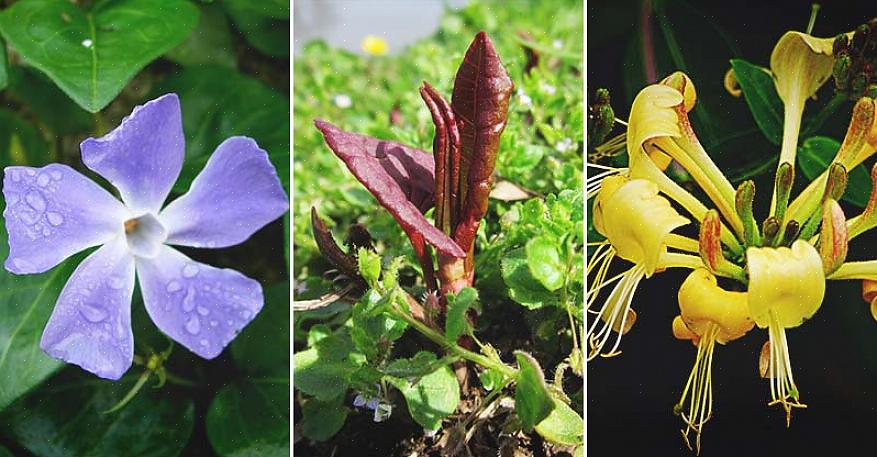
(25,305)
(91,55)
(533,402)
(433,397)
(66,418)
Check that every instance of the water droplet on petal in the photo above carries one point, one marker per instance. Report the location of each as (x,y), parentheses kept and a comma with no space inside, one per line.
(203,311)
(92,313)
(246,314)
(189,300)
(43,180)
(15,175)
(173,286)
(54,218)
(190,270)
(193,326)
(56,175)
(30,171)
(214,323)
(46,232)
(12,199)
(35,200)
(115,282)
(204,342)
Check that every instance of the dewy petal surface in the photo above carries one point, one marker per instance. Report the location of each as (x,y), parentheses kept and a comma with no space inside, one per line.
(199,306)
(91,323)
(54,212)
(143,156)
(237,193)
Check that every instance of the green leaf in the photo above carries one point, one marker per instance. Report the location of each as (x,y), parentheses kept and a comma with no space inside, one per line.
(491,379)
(421,364)
(533,402)
(563,426)
(20,142)
(432,398)
(369,265)
(322,420)
(761,96)
(209,44)
(60,114)
(26,302)
(66,418)
(91,55)
(4,71)
(523,287)
(814,156)
(250,418)
(544,261)
(218,103)
(265,24)
(5,452)
(263,346)
(323,374)
(456,322)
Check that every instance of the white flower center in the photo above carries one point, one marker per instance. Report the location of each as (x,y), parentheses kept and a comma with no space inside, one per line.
(145,235)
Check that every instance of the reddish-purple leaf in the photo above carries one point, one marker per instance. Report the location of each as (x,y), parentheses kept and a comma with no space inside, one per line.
(446,152)
(345,263)
(400,177)
(480,100)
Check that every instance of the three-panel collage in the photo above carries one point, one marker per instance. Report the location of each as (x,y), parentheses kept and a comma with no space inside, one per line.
(438,228)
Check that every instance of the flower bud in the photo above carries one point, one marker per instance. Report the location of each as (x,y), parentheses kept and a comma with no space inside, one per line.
(833,238)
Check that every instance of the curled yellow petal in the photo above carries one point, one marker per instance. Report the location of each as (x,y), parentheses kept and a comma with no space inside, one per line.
(800,63)
(636,220)
(702,302)
(652,116)
(683,84)
(786,282)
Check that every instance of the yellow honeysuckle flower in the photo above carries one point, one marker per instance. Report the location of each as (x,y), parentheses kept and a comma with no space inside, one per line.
(708,315)
(659,127)
(786,287)
(374,45)
(637,223)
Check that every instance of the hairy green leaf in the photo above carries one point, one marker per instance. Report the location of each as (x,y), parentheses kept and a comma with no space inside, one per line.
(533,402)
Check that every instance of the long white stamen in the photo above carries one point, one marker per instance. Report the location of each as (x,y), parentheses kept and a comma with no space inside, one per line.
(614,314)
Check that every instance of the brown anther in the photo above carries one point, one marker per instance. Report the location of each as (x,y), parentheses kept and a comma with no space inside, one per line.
(130,225)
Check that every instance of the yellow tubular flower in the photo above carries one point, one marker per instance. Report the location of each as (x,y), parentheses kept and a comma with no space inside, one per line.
(800,64)
(637,222)
(708,315)
(786,287)
(659,124)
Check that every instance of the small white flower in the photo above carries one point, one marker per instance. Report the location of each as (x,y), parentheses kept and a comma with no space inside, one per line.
(524,99)
(300,287)
(548,88)
(87,43)
(564,145)
(342,101)
(558,44)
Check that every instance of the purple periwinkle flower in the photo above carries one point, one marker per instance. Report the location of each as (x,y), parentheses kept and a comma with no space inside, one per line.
(54,212)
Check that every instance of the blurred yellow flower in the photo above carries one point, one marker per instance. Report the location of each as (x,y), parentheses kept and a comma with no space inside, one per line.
(374,45)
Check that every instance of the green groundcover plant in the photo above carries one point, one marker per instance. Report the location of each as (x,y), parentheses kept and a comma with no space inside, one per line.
(454,348)
(153,88)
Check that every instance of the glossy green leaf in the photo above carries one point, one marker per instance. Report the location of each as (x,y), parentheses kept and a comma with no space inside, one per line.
(50,105)
(218,103)
(66,418)
(4,67)
(491,379)
(91,55)
(265,24)
(761,96)
(251,415)
(543,259)
(20,142)
(533,402)
(263,346)
(563,426)
(209,44)
(26,302)
(421,364)
(322,420)
(432,398)
(523,287)
(455,319)
(250,418)
(814,156)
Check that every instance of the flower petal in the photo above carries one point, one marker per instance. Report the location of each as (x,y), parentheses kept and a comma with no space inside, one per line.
(400,177)
(54,212)
(143,156)
(237,193)
(91,323)
(199,306)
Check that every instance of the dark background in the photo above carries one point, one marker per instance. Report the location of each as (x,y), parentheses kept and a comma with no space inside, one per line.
(834,355)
